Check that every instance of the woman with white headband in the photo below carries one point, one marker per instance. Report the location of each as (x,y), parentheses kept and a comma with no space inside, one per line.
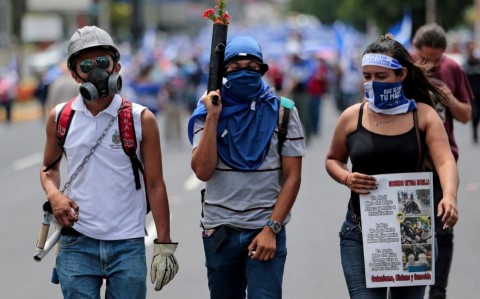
(391,131)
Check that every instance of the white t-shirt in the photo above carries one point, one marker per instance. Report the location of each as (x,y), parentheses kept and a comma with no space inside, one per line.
(110,206)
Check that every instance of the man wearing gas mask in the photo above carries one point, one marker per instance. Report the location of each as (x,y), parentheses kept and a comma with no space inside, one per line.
(102,207)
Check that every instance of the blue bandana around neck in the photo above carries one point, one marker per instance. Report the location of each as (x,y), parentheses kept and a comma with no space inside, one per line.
(245,126)
(387,98)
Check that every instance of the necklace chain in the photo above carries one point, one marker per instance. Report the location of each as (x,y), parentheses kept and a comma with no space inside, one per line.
(381,122)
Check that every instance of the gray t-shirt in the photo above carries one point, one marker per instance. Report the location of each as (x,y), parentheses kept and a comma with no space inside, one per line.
(246,199)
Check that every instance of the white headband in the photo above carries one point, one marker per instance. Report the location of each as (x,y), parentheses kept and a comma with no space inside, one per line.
(381,60)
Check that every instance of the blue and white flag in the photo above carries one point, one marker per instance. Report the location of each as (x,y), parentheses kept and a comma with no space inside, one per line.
(402,31)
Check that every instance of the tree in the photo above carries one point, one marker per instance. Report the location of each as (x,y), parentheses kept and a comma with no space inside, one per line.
(383,13)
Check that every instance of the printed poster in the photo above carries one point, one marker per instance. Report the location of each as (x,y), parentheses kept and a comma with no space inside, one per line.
(398,231)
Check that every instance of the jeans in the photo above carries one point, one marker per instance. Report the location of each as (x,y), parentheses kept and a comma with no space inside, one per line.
(316,113)
(475,116)
(83,263)
(231,271)
(444,239)
(8,109)
(351,249)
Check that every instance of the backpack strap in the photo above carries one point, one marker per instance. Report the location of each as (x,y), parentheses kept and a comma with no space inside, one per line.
(129,140)
(129,143)
(64,119)
(287,105)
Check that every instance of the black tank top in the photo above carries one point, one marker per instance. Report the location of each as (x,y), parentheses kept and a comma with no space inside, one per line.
(372,153)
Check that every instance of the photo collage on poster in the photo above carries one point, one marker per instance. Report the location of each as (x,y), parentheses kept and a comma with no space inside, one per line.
(416,227)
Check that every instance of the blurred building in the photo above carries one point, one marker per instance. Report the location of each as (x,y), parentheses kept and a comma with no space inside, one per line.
(35,25)
(50,20)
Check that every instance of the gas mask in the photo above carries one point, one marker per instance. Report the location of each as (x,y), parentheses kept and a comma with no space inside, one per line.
(99,84)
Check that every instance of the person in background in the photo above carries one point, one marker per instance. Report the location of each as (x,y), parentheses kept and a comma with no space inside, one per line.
(175,94)
(275,75)
(388,136)
(147,91)
(45,78)
(295,86)
(430,43)
(472,69)
(316,88)
(350,83)
(102,213)
(8,91)
(62,88)
(251,184)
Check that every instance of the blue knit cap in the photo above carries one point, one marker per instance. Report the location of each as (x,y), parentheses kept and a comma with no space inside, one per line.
(244,47)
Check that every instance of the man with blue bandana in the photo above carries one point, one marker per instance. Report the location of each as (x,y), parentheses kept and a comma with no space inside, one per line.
(250,186)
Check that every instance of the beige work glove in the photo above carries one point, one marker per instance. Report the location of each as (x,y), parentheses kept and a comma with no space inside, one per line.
(164,264)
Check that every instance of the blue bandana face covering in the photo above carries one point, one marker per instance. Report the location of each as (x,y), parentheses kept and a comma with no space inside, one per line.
(245,127)
(387,98)
(249,110)
(244,84)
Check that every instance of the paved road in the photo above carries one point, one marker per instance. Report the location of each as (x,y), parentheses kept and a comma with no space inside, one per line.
(313,266)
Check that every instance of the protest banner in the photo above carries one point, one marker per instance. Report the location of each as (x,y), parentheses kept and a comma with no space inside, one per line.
(398,231)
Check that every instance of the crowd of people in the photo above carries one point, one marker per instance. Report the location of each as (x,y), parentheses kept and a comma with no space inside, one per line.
(252,172)
(169,75)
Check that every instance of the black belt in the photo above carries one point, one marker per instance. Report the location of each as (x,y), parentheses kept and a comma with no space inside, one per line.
(69,231)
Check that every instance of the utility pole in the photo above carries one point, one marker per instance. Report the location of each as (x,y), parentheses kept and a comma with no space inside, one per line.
(430,11)
(477,22)
(6,17)
(18,10)
(103,16)
(137,24)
